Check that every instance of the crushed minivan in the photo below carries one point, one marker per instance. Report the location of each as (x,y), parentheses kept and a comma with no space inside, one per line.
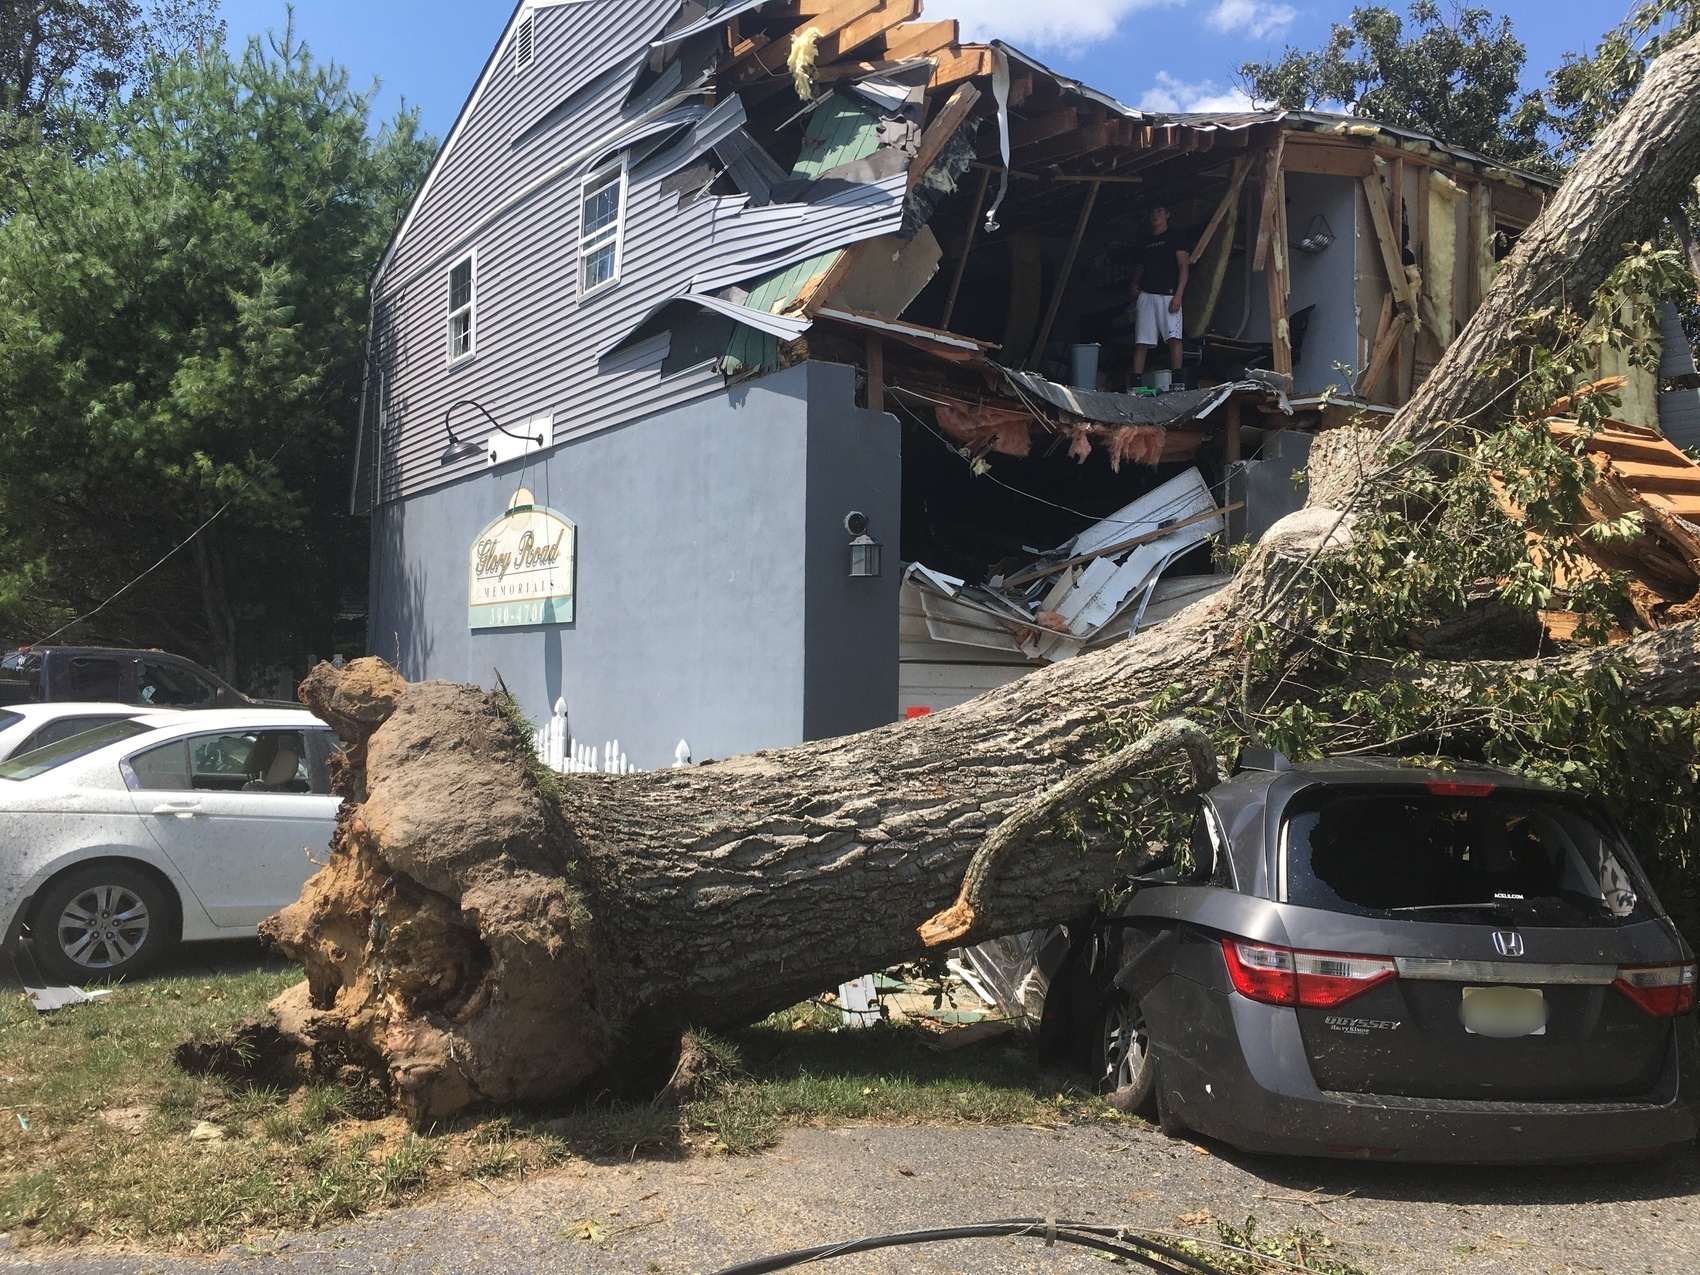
(1365,959)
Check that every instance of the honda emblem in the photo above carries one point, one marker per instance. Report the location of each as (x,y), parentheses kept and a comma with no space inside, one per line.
(1508,943)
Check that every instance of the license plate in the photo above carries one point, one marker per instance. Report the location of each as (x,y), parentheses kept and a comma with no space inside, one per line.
(1504,1013)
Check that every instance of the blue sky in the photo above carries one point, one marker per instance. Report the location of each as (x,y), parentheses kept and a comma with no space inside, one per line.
(1160,54)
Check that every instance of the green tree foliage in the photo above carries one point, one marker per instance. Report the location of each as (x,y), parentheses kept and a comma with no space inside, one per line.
(182,300)
(1456,79)
(62,58)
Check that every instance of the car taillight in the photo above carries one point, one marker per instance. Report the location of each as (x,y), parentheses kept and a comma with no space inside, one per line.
(1454,788)
(1311,980)
(1664,991)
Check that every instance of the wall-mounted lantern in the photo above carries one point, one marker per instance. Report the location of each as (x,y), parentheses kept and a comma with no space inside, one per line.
(864,549)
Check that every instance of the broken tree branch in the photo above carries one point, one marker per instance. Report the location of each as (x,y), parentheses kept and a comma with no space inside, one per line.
(1156,747)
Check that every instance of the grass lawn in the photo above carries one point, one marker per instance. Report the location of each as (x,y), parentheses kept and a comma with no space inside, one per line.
(103,1139)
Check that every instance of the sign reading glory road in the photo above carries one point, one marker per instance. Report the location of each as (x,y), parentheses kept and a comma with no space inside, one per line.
(523,568)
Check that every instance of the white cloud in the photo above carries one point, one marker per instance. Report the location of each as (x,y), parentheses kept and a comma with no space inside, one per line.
(1057,24)
(1256,18)
(1171,95)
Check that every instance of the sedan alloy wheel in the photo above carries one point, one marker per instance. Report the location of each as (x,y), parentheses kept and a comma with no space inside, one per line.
(101,923)
(103,927)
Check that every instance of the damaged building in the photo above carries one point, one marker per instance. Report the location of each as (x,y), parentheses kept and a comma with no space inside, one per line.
(766,370)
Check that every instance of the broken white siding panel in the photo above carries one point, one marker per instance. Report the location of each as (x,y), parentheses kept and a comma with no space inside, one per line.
(1177,500)
(955,622)
(917,643)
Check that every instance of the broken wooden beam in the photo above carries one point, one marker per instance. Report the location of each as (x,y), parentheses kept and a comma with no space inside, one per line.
(921,40)
(1242,166)
(969,62)
(1390,339)
(1375,190)
(941,130)
(1272,188)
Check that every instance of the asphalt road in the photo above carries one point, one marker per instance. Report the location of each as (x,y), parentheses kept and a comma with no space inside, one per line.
(697,1216)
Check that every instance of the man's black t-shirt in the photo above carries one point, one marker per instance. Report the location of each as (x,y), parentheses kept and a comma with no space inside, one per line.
(1161,272)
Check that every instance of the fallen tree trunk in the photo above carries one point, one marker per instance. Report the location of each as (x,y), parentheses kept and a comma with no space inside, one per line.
(477,937)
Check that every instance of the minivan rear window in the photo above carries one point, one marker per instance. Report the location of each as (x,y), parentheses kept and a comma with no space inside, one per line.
(1501,857)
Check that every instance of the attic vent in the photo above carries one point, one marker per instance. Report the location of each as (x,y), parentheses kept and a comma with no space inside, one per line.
(525,42)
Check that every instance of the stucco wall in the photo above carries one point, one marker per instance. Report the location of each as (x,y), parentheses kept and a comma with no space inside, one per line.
(713,604)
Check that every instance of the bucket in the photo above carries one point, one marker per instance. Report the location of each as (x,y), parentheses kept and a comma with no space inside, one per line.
(1160,380)
(1085,375)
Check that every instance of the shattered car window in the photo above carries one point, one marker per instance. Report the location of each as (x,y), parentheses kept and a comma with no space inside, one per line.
(1506,857)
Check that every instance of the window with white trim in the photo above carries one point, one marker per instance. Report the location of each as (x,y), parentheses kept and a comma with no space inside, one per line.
(463,295)
(602,226)
(525,41)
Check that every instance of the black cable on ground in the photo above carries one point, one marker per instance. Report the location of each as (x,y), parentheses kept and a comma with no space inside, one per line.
(1112,1240)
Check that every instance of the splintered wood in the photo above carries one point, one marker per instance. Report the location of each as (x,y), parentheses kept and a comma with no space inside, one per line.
(1639,471)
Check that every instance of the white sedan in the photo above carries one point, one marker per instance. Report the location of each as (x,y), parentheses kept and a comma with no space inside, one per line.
(25,727)
(124,840)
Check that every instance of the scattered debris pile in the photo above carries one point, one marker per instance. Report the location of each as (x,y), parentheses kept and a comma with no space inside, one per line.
(1094,589)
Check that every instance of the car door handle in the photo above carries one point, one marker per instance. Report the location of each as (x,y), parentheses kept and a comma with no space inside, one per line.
(183,810)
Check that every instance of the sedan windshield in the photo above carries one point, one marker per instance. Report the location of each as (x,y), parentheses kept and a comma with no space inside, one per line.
(53,756)
(9,719)
(1487,857)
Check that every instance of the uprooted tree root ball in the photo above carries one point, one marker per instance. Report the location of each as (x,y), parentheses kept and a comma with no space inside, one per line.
(446,947)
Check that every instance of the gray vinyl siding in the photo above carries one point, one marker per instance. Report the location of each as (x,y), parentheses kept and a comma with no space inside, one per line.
(517,207)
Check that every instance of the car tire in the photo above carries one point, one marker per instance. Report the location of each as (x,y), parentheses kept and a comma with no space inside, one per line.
(1122,1063)
(101,924)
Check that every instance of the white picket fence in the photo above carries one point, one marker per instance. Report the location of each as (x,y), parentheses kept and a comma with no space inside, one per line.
(564,754)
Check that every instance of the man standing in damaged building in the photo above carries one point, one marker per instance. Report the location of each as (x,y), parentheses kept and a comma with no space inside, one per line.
(1159,284)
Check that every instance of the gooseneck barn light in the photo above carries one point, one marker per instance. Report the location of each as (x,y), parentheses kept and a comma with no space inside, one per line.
(864,549)
(465,448)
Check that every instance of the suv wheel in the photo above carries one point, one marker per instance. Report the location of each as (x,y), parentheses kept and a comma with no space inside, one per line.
(1121,1057)
(101,923)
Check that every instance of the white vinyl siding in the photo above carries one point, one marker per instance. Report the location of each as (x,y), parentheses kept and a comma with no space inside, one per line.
(463,298)
(602,224)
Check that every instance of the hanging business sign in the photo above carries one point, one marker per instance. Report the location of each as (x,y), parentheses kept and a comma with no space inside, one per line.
(524,568)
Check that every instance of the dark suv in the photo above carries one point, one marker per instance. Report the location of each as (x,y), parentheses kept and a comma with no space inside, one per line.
(1366,959)
(147,679)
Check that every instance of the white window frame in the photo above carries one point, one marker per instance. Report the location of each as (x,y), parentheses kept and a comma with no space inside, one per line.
(596,182)
(470,309)
(524,41)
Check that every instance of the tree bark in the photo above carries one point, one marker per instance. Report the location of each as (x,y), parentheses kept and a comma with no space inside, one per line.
(476,938)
